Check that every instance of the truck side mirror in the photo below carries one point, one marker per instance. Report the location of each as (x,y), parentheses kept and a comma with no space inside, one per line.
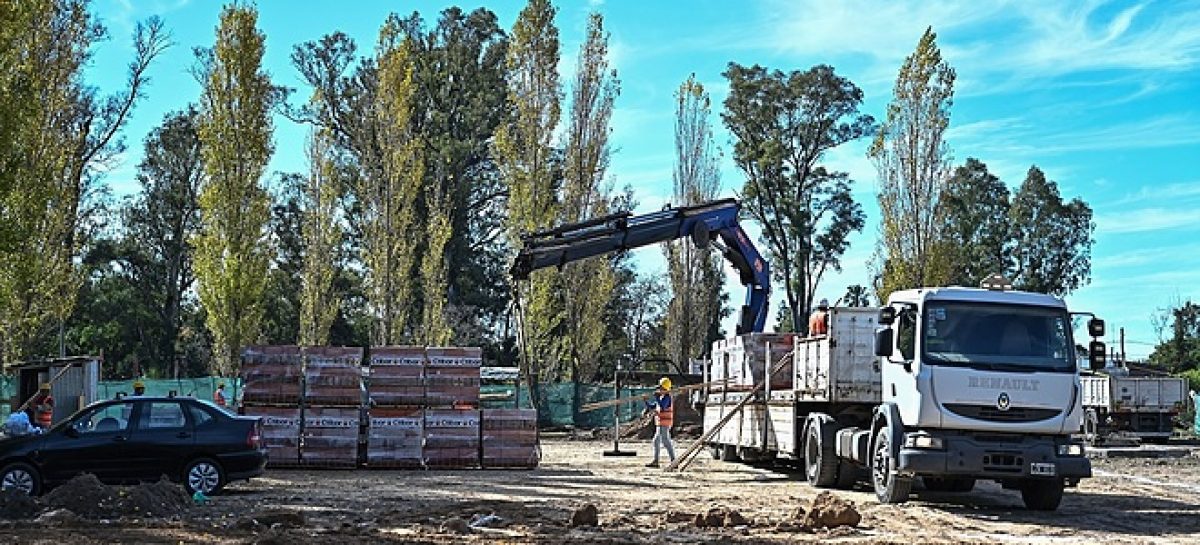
(883,342)
(1096,355)
(887,315)
(1095,327)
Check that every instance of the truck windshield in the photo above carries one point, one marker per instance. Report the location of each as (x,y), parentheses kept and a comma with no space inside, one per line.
(997,336)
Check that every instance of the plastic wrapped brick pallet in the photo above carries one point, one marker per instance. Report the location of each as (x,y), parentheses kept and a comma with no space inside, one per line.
(451,438)
(271,375)
(509,438)
(452,376)
(397,376)
(394,437)
(330,437)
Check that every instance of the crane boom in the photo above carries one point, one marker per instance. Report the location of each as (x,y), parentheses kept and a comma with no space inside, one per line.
(573,242)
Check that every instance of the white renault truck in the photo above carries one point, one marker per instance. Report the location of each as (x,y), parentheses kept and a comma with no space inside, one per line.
(948,385)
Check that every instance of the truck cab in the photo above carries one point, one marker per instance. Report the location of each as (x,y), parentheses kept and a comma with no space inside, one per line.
(977,384)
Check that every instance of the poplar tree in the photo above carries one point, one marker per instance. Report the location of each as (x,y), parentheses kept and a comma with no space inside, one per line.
(55,131)
(235,128)
(913,161)
(588,284)
(389,198)
(322,234)
(525,158)
(694,273)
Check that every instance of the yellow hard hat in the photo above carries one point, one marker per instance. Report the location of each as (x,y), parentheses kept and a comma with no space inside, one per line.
(45,386)
(665,383)
(139,384)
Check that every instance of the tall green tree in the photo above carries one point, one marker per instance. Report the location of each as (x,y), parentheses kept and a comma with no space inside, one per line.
(232,254)
(1051,239)
(281,300)
(389,200)
(587,286)
(913,161)
(525,156)
(1179,338)
(322,235)
(694,273)
(783,125)
(975,208)
(56,134)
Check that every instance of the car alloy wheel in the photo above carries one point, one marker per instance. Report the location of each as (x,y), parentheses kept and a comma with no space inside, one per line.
(204,477)
(17,478)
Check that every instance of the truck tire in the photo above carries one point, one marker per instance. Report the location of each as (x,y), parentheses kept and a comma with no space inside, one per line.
(820,459)
(728,453)
(1042,494)
(1091,424)
(889,487)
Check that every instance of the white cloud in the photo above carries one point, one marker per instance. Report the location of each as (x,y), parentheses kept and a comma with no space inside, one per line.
(1145,220)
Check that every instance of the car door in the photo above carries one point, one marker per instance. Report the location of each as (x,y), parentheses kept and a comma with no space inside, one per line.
(162,440)
(95,442)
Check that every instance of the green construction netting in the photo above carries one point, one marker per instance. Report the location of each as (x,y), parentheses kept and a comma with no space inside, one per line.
(558,403)
(558,400)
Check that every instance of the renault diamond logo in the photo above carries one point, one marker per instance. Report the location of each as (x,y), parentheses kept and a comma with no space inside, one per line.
(1002,401)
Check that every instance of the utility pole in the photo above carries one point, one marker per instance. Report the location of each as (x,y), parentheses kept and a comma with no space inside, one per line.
(1123,362)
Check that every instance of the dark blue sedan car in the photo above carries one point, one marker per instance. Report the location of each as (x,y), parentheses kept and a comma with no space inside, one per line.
(136,439)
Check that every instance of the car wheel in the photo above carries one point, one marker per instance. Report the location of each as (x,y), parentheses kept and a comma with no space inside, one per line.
(21,476)
(203,475)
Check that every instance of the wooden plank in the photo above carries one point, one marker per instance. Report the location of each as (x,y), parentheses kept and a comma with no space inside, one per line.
(614,402)
(688,455)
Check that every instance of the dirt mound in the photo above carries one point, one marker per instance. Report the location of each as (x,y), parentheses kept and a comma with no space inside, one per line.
(587,515)
(86,496)
(16,505)
(830,511)
(720,517)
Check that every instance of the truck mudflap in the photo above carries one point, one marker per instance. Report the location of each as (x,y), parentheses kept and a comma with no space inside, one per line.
(987,456)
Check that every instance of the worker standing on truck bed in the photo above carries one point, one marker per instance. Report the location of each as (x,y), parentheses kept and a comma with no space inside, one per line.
(818,323)
(664,415)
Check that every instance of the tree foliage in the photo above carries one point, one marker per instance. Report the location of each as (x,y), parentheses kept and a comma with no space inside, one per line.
(322,235)
(1052,239)
(235,129)
(694,273)
(56,136)
(1180,348)
(975,207)
(525,155)
(913,161)
(783,125)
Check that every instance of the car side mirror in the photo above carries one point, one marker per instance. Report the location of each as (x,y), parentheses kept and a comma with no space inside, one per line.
(1096,355)
(883,342)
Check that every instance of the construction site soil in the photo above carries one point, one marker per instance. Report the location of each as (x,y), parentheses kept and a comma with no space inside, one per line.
(579,496)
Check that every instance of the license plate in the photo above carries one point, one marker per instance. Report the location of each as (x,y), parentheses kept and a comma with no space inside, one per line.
(1044,469)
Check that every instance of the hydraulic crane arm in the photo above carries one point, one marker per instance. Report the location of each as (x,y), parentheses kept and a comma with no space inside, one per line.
(564,244)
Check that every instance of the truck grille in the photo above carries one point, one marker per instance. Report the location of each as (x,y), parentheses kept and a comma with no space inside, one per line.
(1013,414)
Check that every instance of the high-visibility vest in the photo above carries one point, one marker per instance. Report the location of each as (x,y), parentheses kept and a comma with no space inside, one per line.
(665,417)
(219,398)
(817,323)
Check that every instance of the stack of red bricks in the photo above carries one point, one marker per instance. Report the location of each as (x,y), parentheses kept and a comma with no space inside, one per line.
(509,438)
(397,415)
(452,402)
(333,395)
(272,389)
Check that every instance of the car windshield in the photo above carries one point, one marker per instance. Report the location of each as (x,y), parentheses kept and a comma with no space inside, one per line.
(997,336)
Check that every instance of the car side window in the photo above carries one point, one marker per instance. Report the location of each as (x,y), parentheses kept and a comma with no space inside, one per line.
(107,419)
(161,415)
(200,417)
(906,333)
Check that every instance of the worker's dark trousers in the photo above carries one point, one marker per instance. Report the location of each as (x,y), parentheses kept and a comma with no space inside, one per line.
(662,436)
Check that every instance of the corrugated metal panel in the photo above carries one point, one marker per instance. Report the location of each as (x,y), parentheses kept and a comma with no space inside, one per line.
(68,391)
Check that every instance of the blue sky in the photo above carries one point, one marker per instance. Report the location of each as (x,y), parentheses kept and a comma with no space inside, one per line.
(1103,96)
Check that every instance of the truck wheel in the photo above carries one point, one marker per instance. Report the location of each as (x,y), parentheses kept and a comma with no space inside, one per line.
(728,453)
(1091,424)
(820,460)
(1042,494)
(889,487)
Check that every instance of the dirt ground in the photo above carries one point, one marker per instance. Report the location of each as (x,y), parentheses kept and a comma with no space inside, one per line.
(1128,501)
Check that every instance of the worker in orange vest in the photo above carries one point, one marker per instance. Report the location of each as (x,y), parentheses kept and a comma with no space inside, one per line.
(219,395)
(818,323)
(42,407)
(663,407)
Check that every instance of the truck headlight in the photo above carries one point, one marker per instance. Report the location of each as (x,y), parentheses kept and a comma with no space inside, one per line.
(1073,449)
(923,441)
